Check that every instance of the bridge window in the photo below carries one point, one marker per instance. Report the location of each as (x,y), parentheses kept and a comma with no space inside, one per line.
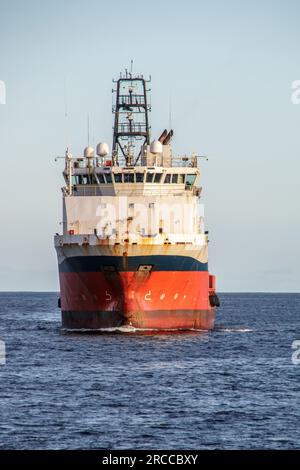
(84,179)
(181,179)
(174,178)
(149,177)
(75,179)
(100,178)
(81,179)
(190,180)
(167,178)
(108,178)
(128,177)
(139,177)
(157,177)
(118,177)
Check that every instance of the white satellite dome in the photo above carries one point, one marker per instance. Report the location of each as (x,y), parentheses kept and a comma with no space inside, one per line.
(102,149)
(156,147)
(88,152)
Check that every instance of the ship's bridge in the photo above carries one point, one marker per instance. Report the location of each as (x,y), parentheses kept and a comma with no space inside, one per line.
(138,180)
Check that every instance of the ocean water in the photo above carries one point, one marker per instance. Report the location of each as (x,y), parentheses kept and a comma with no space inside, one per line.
(233,388)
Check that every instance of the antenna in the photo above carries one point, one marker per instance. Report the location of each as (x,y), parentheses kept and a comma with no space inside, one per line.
(66,114)
(170,112)
(131,66)
(88,129)
(65,98)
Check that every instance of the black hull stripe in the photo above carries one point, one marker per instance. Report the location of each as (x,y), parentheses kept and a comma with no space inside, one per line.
(131,263)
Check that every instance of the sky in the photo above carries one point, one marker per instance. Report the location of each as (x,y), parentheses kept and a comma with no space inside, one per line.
(225,69)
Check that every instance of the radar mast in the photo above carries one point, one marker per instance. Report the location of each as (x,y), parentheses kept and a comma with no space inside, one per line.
(131,123)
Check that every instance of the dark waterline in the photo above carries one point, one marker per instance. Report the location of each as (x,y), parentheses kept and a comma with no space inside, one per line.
(235,387)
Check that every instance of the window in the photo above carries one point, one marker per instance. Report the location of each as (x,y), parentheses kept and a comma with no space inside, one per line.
(174,178)
(139,177)
(151,205)
(118,177)
(128,177)
(167,178)
(108,178)
(131,205)
(85,179)
(101,178)
(157,177)
(93,179)
(181,179)
(190,180)
(149,177)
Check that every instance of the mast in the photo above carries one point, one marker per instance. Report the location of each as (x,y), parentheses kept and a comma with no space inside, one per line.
(131,123)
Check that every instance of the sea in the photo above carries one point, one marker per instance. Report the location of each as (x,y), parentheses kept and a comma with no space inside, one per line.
(236,387)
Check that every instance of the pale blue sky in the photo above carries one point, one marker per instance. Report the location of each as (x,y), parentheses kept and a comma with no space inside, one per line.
(227,68)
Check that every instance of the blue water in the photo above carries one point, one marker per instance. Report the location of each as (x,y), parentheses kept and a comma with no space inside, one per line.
(235,387)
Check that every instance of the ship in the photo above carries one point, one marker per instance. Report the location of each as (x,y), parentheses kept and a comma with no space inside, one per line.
(133,253)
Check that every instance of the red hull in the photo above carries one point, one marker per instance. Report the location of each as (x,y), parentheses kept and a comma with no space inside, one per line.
(157,300)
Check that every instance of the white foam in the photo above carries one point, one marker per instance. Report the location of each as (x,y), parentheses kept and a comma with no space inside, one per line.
(234,330)
(127,329)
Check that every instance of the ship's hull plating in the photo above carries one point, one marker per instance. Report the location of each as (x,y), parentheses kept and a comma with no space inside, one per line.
(152,320)
(143,292)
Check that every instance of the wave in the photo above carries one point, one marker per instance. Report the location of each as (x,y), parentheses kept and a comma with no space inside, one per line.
(234,330)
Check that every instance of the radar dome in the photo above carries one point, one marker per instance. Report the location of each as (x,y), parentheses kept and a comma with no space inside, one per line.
(102,149)
(156,147)
(88,152)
